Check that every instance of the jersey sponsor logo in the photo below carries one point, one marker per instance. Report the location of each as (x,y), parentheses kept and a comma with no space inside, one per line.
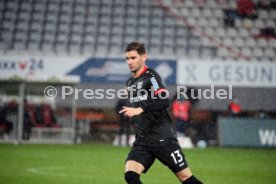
(154,83)
(131,88)
(139,85)
(138,98)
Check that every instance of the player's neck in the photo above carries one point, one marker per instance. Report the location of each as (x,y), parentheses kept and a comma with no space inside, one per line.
(139,72)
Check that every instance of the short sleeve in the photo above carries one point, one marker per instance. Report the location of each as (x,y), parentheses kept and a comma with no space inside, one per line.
(157,84)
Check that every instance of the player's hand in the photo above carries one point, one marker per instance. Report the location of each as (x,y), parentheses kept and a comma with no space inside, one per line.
(131,111)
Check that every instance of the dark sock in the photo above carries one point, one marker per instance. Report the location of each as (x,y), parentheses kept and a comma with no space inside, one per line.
(192,180)
(132,177)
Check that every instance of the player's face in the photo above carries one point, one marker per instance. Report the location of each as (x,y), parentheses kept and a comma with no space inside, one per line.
(135,61)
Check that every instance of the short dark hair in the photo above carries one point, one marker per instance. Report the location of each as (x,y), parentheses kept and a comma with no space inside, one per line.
(138,46)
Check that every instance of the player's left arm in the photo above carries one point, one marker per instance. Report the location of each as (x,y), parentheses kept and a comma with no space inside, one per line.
(159,95)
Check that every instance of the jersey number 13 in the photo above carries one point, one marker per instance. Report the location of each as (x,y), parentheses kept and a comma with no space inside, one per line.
(177,157)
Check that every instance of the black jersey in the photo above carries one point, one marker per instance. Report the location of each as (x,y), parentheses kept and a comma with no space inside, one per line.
(152,126)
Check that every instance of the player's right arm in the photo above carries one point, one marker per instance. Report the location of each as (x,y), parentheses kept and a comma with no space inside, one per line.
(131,111)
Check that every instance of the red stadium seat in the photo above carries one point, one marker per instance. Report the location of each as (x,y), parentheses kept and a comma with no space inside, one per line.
(48,116)
(30,108)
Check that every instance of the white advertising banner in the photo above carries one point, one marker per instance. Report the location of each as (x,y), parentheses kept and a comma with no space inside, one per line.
(37,67)
(86,69)
(238,74)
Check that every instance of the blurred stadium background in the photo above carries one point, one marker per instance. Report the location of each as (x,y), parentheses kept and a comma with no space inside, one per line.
(80,44)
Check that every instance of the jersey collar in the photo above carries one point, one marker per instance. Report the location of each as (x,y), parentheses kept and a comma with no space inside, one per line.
(143,71)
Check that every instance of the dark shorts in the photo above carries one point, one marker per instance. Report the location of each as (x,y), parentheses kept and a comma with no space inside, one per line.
(170,154)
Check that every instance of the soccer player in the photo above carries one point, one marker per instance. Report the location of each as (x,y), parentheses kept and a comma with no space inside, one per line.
(155,135)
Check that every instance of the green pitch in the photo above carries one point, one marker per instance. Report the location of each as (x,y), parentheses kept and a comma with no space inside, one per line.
(102,164)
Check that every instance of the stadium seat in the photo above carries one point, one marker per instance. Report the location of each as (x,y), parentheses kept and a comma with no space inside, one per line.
(180,50)
(222,53)
(262,43)
(39,6)
(233,5)
(207,13)
(243,33)
(251,43)
(193,52)
(202,22)
(210,31)
(258,53)
(19,46)
(35,36)
(248,23)
(25,6)
(11,5)
(47,115)
(185,12)
(207,53)
(246,52)
(238,23)
(155,50)
(270,23)
(228,42)
(220,32)
(272,43)
(192,21)
(263,14)
(167,51)
(231,32)
(181,41)
(218,13)
(194,42)
(238,42)
(196,13)
(32,112)
(272,14)
(33,46)
(259,24)
(269,53)
(47,47)
(254,31)
(214,22)
(206,42)
(189,3)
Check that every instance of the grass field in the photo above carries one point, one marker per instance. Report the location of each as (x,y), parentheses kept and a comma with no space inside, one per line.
(102,164)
